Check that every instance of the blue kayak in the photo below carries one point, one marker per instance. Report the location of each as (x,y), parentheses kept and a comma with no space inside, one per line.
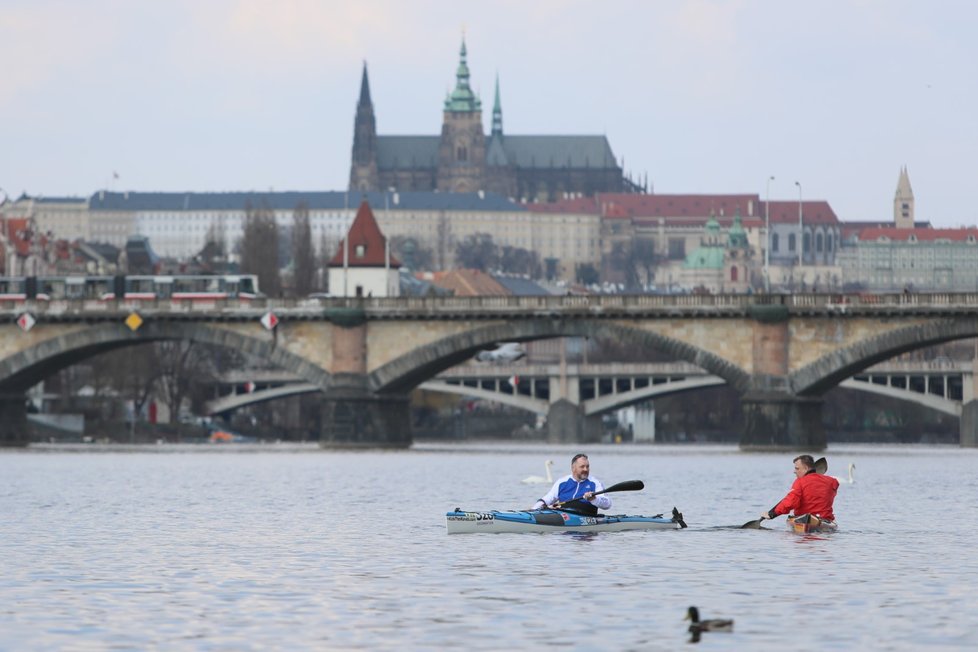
(555,520)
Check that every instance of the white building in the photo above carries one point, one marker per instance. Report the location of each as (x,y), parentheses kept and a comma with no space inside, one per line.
(364,266)
(179,224)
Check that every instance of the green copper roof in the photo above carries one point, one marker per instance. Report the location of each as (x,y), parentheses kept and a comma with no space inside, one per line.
(462,99)
(497,113)
(711,254)
(737,236)
(706,257)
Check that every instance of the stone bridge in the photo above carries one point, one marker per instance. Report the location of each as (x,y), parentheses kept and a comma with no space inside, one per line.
(780,352)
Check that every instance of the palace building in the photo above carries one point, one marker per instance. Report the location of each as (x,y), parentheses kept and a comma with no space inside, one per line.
(464,159)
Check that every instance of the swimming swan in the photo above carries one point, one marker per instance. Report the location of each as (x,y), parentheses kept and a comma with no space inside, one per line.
(535,479)
(850,479)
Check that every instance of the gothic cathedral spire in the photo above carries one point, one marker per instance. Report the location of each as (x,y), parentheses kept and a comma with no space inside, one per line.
(462,146)
(462,99)
(363,171)
(497,113)
(903,216)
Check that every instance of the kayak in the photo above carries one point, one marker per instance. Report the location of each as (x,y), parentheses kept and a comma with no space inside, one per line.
(807,523)
(555,520)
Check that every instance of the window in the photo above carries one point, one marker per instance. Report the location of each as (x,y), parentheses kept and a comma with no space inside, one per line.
(360,251)
(807,240)
(733,274)
(775,240)
(791,241)
(461,154)
(677,248)
(818,242)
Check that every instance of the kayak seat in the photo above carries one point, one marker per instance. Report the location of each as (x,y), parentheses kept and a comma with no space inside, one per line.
(548,519)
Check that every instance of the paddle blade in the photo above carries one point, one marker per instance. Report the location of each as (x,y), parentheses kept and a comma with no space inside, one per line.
(751,525)
(677,516)
(821,466)
(627,485)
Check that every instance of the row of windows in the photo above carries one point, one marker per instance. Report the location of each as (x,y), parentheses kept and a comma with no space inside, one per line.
(827,244)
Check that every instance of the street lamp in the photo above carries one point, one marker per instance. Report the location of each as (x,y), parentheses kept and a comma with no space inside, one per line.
(801,230)
(767,237)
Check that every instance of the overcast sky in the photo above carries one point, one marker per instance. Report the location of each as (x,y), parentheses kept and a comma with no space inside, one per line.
(703,96)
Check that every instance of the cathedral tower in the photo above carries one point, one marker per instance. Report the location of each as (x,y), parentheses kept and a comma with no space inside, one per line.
(462,147)
(363,170)
(903,202)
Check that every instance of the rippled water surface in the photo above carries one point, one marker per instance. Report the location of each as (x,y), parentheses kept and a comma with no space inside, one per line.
(305,549)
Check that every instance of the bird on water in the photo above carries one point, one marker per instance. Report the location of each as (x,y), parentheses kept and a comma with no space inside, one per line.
(697,626)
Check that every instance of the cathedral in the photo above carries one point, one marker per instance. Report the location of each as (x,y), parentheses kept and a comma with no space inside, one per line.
(464,159)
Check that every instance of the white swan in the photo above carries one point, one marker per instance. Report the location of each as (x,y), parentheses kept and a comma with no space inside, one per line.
(850,479)
(535,479)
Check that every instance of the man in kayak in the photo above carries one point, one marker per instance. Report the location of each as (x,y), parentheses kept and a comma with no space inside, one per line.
(811,493)
(578,487)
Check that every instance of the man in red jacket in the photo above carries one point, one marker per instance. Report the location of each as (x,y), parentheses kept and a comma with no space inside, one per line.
(811,493)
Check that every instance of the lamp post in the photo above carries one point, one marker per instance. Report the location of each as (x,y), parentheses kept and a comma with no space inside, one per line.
(801,231)
(767,237)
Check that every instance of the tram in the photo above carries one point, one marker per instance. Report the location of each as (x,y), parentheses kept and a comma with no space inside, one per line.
(130,288)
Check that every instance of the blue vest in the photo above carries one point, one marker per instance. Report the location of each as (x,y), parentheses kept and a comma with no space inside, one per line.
(570,489)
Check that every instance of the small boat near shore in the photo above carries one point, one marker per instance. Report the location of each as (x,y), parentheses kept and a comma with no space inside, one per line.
(555,520)
(809,523)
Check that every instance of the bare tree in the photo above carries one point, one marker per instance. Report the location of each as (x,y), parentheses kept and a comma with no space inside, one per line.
(259,248)
(327,247)
(643,259)
(303,252)
(443,243)
(477,251)
(516,260)
(182,366)
(411,253)
(621,263)
(587,274)
(130,374)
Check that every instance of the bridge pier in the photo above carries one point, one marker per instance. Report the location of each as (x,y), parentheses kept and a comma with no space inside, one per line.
(969,424)
(782,422)
(14,427)
(353,417)
(567,424)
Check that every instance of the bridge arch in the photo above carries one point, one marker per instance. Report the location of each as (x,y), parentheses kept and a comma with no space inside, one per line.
(412,369)
(32,365)
(831,369)
(598,405)
(936,403)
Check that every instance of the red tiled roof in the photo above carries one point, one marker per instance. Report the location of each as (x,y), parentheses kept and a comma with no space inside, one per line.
(466,282)
(813,212)
(855,228)
(637,205)
(691,209)
(923,235)
(365,233)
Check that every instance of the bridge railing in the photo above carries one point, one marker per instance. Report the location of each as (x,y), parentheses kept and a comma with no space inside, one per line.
(449,307)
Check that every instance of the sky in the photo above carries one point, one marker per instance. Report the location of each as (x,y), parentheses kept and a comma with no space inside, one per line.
(703,96)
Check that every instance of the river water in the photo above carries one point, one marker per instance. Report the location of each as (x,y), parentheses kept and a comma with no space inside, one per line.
(263,547)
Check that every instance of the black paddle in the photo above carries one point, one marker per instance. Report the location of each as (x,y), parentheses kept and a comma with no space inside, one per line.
(821,466)
(627,485)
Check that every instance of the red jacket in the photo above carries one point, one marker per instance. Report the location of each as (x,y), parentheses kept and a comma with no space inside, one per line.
(810,494)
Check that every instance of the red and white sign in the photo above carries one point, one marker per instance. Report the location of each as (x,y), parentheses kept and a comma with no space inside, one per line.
(269,320)
(249,387)
(26,321)
(514,381)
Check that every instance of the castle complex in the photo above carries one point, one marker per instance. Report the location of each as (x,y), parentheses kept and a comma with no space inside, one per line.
(464,159)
